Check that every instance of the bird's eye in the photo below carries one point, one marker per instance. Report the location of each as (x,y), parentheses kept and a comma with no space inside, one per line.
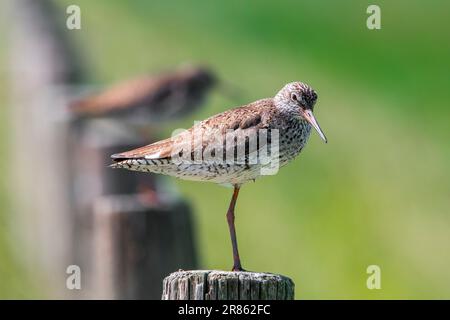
(294,97)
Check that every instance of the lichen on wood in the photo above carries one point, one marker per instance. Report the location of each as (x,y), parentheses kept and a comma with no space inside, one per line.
(226,285)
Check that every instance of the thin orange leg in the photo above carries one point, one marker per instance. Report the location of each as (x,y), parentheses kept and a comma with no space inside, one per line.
(230,218)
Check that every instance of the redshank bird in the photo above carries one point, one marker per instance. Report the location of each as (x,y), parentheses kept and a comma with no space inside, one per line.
(235,146)
(151,98)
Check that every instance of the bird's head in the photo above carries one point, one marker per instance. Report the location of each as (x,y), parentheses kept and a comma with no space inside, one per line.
(201,77)
(299,99)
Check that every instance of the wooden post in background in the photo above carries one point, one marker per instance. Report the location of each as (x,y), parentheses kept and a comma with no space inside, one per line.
(131,228)
(131,239)
(71,208)
(42,63)
(226,285)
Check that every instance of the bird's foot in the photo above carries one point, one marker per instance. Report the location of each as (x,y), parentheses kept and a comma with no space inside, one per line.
(237,269)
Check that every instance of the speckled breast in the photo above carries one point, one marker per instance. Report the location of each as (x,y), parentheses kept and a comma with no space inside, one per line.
(293,138)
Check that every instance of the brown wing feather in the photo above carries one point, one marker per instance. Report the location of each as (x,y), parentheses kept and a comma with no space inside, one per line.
(160,149)
(249,117)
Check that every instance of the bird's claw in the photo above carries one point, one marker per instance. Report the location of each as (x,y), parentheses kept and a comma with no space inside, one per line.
(238,269)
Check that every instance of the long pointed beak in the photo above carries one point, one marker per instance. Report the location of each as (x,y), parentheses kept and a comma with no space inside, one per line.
(309,116)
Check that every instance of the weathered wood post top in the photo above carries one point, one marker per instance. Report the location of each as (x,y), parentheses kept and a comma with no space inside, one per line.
(226,285)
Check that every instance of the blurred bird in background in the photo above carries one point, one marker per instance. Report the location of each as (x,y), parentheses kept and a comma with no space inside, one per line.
(131,110)
(150,98)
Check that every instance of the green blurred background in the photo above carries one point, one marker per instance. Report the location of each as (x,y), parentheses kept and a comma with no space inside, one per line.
(377,193)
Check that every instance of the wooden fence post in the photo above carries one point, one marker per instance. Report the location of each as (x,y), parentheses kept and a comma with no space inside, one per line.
(42,64)
(226,285)
(134,245)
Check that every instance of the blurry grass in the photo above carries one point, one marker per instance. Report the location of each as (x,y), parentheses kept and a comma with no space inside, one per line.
(376,194)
